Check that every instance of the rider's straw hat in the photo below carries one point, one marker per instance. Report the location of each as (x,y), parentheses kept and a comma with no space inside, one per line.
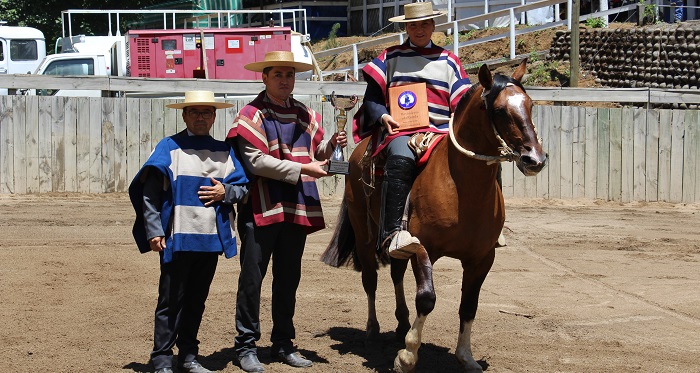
(204,98)
(417,12)
(278,58)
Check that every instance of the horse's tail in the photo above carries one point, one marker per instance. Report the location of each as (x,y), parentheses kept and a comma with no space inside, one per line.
(342,245)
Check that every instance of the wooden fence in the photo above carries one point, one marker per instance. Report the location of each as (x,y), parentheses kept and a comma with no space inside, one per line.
(616,154)
(96,145)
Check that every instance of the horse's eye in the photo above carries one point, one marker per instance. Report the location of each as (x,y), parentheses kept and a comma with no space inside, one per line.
(499,111)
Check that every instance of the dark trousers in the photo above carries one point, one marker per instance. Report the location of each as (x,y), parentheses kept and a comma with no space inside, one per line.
(182,291)
(399,146)
(284,243)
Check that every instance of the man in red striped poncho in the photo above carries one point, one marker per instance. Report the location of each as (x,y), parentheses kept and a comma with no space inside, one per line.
(282,149)
(415,61)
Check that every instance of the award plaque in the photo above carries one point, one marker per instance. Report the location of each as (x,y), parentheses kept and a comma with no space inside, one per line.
(337,163)
(408,105)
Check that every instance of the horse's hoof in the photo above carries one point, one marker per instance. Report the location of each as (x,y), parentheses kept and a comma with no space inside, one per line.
(372,331)
(471,366)
(405,362)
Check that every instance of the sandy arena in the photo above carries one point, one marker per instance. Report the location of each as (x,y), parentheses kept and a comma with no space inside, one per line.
(581,287)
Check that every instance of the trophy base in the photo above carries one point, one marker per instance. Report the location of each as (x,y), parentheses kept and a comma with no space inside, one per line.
(338,167)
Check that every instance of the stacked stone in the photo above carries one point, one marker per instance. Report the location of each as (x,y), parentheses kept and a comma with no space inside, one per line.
(620,58)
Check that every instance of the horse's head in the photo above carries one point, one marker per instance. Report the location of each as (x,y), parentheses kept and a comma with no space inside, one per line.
(509,110)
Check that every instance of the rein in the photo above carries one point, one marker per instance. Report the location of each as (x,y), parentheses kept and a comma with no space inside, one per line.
(507,153)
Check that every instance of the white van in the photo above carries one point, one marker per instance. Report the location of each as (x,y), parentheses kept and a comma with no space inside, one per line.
(21,50)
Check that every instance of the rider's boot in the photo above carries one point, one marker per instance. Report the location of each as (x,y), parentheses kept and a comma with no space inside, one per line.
(399,173)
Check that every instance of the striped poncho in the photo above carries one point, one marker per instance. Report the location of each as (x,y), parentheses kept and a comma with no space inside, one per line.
(288,133)
(188,162)
(446,82)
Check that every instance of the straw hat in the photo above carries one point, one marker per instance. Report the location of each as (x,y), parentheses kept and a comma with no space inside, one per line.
(278,58)
(204,98)
(417,12)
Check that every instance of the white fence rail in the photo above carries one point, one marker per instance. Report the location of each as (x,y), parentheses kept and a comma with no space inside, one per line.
(175,87)
(96,145)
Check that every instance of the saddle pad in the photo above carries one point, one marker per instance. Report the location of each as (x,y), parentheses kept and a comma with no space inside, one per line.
(426,154)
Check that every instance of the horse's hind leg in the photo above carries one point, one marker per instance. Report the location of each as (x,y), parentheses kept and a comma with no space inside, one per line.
(425,302)
(472,279)
(369,283)
(365,254)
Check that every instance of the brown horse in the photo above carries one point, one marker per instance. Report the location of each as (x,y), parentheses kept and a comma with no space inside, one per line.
(456,208)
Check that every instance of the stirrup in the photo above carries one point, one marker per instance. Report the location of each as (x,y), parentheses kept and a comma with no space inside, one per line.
(401,245)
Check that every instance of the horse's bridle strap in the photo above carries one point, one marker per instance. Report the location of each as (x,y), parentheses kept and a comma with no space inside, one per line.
(507,154)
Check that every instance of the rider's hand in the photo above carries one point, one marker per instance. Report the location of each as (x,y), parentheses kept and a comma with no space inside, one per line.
(391,125)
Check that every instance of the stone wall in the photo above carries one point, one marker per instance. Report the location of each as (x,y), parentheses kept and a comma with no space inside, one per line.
(665,56)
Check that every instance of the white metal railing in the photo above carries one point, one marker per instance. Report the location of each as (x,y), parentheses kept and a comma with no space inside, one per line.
(297,18)
(469,23)
(454,27)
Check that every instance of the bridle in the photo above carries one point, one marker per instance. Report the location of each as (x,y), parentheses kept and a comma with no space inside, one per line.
(507,154)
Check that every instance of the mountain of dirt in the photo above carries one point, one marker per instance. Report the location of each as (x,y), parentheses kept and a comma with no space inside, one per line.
(533,45)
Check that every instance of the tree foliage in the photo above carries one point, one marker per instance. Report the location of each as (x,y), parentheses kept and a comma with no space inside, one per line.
(45,15)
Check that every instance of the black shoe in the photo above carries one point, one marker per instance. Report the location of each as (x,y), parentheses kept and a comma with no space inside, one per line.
(294,359)
(250,363)
(193,367)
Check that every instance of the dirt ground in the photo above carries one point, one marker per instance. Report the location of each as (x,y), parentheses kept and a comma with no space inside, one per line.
(581,286)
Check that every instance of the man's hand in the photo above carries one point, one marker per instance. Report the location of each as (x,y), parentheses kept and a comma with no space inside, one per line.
(340,138)
(157,244)
(314,169)
(390,124)
(211,194)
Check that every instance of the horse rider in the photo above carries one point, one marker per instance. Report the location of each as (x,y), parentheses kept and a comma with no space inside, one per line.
(417,60)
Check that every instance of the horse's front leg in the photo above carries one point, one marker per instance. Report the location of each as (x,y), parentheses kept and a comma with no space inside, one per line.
(425,302)
(473,277)
(398,270)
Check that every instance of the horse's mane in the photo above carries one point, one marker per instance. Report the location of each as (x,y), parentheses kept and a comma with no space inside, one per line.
(500,82)
(466,97)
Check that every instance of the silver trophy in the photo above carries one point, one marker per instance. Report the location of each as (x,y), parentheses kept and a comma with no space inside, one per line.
(337,163)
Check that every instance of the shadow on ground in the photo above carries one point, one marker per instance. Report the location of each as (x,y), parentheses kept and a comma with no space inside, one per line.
(380,353)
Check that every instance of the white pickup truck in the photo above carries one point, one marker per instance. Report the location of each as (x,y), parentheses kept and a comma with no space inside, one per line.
(94,57)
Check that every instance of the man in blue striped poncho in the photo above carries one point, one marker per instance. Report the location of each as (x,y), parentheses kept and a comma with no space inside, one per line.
(183,197)
(417,60)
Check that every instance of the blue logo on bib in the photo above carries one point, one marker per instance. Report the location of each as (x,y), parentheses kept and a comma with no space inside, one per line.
(407,100)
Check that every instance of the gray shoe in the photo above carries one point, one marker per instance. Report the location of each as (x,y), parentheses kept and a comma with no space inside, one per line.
(250,363)
(164,370)
(193,367)
(294,359)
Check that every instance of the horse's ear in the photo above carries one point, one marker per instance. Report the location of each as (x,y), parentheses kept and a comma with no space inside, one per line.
(520,71)
(485,77)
